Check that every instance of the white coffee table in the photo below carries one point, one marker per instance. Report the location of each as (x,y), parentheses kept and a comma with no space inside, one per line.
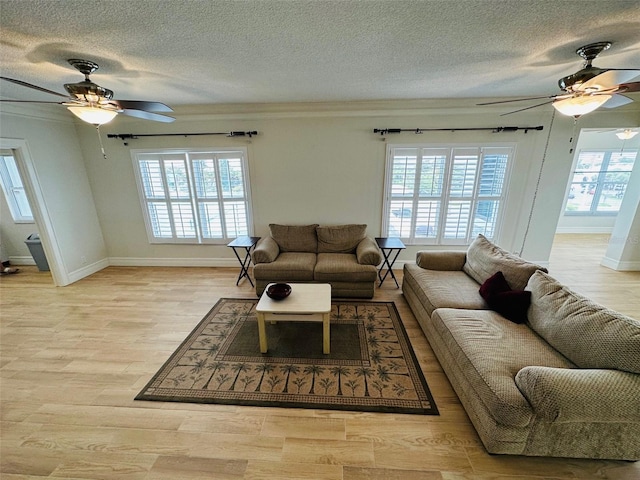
(308,302)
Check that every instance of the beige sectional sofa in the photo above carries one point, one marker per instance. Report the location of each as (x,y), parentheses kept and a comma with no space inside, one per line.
(341,255)
(565,382)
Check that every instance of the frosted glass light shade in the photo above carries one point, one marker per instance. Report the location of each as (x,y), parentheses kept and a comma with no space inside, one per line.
(576,106)
(626,134)
(93,115)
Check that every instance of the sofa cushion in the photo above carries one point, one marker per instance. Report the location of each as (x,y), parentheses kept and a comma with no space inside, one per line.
(485,259)
(512,304)
(588,334)
(288,267)
(340,238)
(295,238)
(489,351)
(343,267)
(368,252)
(443,289)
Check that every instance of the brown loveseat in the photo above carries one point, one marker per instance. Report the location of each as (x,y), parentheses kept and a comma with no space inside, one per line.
(341,255)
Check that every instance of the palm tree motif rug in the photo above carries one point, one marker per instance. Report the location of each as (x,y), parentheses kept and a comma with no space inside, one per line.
(371,367)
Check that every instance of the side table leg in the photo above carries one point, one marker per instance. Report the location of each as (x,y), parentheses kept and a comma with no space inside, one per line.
(262,333)
(326,334)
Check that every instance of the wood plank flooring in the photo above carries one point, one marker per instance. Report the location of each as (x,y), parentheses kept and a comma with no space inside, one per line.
(73,358)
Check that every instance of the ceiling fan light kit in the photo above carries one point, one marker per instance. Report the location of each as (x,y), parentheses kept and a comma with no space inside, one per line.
(577,106)
(626,134)
(93,115)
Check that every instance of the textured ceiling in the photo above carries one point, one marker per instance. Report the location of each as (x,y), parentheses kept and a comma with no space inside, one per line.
(218,52)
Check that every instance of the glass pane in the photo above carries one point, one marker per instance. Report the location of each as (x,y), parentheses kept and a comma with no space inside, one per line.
(177,180)
(494,169)
(22,203)
(427,219)
(580,198)
(457,219)
(485,218)
(231,179)
(622,161)
(183,220)
(432,176)
(403,173)
(160,222)
(210,220)
(151,179)
(590,161)
(235,217)
(463,175)
(205,178)
(400,215)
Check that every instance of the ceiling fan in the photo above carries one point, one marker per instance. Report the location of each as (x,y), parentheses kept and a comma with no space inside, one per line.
(95,104)
(588,88)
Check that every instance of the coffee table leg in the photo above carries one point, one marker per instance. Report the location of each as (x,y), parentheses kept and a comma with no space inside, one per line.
(326,334)
(262,333)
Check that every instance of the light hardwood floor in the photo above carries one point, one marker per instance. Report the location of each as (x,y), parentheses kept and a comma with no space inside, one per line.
(73,359)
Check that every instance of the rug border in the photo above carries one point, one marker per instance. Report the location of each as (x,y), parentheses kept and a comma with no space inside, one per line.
(432,410)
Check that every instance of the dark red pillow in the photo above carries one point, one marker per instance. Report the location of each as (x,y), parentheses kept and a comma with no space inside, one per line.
(511,304)
(494,285)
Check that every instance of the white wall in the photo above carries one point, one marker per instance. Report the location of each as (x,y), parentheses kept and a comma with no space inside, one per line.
(310,163)
(67,219)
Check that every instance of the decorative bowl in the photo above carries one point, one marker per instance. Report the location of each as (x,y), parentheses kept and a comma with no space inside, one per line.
(278,291)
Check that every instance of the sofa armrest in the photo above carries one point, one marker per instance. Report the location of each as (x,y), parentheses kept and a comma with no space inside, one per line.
(581,395)
(444,260)
(368,252)
(266,251)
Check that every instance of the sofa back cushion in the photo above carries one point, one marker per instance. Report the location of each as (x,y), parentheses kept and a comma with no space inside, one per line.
(340,238)
(484,259)
(295,238)
(588,334)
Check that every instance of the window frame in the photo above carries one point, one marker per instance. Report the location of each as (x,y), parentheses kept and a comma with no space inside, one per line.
(193,199)
(9,188)
(446,196)
(599,183)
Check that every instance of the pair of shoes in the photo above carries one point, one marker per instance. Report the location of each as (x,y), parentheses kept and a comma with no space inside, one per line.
(9,271)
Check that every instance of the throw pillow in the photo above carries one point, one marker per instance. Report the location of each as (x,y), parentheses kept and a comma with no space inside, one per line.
(588,334)
(485,258)
(340,238)
(295,238)
(511,304)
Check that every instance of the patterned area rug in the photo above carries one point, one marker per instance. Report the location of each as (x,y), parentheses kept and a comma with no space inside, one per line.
(371,367)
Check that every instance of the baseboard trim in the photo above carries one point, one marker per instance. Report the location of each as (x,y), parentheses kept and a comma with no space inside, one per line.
(22,260)
(620,266)
(88,270)
(172,262)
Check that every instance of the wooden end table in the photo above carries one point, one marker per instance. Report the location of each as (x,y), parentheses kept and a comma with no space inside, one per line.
(308,302)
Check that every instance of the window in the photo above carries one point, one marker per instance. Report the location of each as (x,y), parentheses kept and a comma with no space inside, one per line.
(194,196)
(599,182)
(14,189)
(444,195)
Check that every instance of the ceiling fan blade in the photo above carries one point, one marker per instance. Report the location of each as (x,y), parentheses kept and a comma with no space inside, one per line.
(35,87)
(528,108)
(629,87)
(617,101)
(609,79)
(141,105)
(518,100)
(29,101)
(146,115)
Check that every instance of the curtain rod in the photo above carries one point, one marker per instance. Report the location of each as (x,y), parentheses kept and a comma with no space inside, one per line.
(384,131)
(133,136)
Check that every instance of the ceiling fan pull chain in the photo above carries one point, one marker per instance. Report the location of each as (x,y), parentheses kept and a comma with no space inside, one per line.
(104,155)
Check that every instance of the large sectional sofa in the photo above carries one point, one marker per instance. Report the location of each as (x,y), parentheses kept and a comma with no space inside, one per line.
(560,378)
(341,255)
